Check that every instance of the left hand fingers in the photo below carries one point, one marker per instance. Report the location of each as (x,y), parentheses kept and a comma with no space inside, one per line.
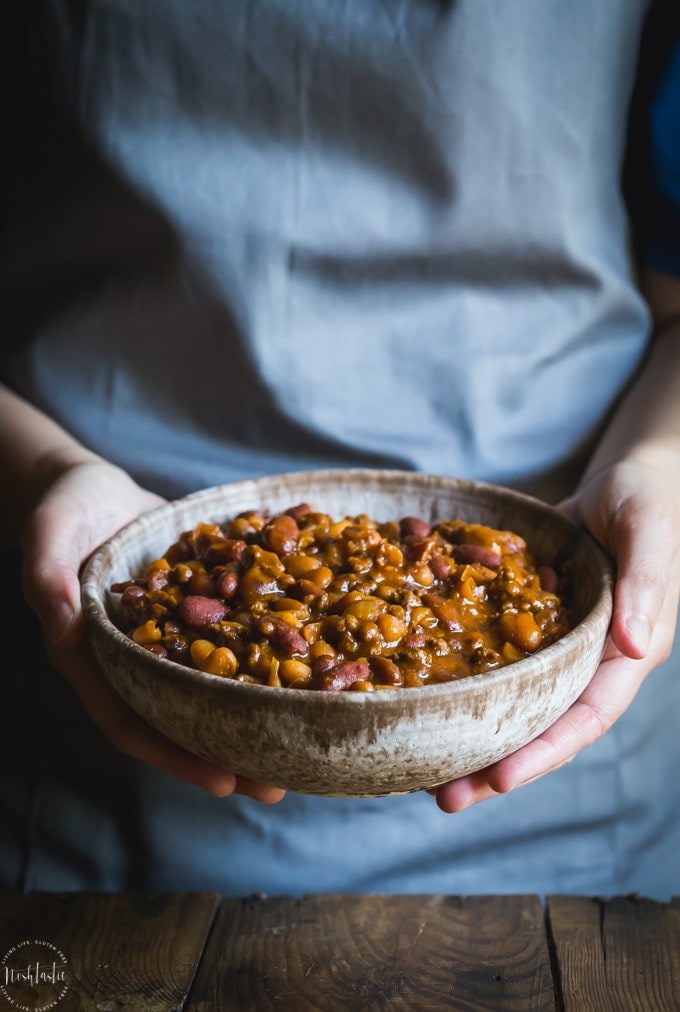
(130,733)
(648,573)
(608,695)
(583,723)
(637,522)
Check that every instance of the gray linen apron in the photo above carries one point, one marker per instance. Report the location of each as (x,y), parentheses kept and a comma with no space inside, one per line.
(359,233)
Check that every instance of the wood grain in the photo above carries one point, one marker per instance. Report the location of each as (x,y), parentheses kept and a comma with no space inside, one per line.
(621,954)
(377,952)
(124,951)
(329,952)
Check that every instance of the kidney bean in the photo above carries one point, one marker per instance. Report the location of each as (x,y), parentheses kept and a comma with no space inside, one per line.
(324,604)
(322,664)
(299,510)
(132,594)
(157,648)
(441,567)
(414,527)
(344,675)
(385,670)
(281,535)
(134,604)
(477,554)
(418,547)
(548,579)
(200,611)
(283,637)
(446,611)
(227,584)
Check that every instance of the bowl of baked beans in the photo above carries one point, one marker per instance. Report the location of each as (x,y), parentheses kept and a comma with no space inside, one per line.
(350,633)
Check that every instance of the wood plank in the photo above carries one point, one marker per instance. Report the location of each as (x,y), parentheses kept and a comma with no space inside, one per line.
(620,954)
(377,952)
(123,951)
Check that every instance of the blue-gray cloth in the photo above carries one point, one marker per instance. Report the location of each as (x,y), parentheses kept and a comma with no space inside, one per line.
(312,233)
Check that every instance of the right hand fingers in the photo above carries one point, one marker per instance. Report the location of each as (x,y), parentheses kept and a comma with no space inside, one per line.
(86,504)
(72,519)
(129,733)
(50,579)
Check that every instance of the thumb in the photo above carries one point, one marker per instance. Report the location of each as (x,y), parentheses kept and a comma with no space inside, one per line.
(52,556)
(641,542)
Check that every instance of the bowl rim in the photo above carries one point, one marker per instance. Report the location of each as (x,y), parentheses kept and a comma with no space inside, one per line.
(595,623)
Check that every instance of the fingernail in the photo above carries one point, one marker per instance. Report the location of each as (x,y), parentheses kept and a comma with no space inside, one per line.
(640,633)
(59,622)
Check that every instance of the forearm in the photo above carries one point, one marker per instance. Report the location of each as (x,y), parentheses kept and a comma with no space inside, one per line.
(34,450)
(646,425)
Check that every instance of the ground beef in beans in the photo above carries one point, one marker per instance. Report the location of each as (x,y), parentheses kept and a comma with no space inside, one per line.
(301,600)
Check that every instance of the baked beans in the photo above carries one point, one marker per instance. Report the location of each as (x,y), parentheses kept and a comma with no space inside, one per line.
(302,600)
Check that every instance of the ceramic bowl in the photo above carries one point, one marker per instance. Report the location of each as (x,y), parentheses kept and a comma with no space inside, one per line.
(354,744)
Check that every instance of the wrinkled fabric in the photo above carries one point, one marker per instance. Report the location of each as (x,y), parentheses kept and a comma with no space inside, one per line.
(326,235)
(375,234)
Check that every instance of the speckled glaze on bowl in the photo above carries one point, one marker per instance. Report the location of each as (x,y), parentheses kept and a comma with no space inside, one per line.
(354,744)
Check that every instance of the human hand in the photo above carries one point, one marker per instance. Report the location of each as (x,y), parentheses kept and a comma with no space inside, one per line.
(86,504)
(633,509)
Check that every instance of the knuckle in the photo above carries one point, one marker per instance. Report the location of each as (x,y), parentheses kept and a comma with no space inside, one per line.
(651,584)
(592,722)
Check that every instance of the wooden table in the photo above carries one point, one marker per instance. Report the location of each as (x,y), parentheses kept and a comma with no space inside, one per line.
(325,952)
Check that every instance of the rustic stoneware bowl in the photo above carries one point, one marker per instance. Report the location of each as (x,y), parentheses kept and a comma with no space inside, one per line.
(354,743)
